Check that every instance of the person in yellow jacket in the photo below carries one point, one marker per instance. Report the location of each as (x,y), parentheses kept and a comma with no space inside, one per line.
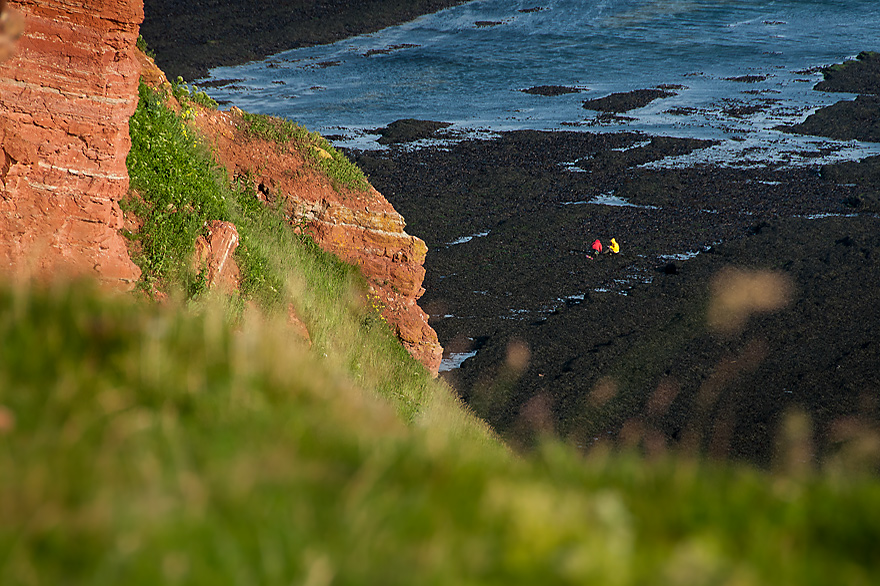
(613,247)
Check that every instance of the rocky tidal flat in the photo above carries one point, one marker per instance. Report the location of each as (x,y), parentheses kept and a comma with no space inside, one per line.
(627,348)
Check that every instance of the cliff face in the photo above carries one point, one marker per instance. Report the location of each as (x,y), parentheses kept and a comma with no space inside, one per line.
(65,99)
(360,227)
(368,232)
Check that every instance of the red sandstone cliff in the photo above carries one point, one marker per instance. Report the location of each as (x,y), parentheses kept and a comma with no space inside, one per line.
(65,99)
(359,227)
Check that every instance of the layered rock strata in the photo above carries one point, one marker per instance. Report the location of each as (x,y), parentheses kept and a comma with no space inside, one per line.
(360,227)
(66,96)
(372,237)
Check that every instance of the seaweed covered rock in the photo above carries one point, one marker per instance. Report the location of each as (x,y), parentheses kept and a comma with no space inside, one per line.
(857,119)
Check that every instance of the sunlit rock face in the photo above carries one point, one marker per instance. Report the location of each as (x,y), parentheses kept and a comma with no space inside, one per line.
(66,95)
(360,227)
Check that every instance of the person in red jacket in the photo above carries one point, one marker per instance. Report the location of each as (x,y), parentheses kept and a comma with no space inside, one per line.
(597,246)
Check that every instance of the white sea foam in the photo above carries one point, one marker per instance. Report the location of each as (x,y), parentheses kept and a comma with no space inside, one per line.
(739,81)
(455,360)
(682,256)
(826,215)
(465,239)
(607,199)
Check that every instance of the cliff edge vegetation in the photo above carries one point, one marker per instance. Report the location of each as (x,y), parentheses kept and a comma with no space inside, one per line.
(179,191)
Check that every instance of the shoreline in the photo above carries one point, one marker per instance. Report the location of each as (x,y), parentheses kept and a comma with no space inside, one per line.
(605,337)
(188,39)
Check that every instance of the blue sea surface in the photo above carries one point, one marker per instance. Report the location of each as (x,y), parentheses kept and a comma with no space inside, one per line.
(738,68)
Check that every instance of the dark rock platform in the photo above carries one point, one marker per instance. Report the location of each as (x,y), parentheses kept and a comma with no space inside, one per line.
(620,347)
(858,119)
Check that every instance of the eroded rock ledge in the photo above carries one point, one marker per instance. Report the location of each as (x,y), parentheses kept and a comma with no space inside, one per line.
(360,227)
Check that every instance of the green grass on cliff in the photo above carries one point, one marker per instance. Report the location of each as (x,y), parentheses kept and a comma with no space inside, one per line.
(180,189)
(199,441)
(343,174)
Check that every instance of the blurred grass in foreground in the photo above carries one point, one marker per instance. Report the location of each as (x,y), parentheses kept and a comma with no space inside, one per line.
(144,444)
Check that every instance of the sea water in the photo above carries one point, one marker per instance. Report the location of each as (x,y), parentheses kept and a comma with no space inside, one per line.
(738,69)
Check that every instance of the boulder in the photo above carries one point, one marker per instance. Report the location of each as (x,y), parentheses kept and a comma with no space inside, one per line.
(214,256)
